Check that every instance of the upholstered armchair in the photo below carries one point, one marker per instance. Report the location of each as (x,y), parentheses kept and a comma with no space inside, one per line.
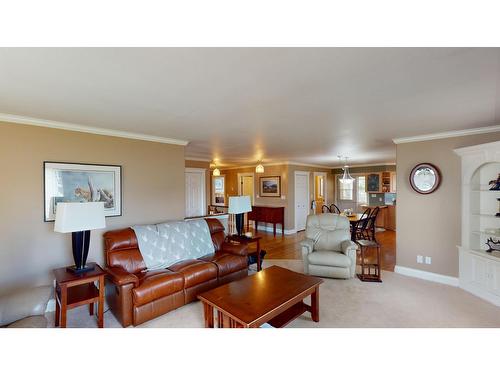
(328,250)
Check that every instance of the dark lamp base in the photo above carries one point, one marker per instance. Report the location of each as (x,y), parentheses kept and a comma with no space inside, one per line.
(75,270)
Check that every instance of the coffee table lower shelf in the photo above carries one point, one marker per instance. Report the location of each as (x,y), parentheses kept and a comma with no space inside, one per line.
(287,316)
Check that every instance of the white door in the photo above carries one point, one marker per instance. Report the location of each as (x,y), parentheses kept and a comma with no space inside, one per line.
(246,186)
(301,199)
(195,192)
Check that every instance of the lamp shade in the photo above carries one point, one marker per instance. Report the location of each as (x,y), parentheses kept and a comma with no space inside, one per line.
(76,217)
(239,205)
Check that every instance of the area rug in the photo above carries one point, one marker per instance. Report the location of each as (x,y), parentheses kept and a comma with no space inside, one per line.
(399,301)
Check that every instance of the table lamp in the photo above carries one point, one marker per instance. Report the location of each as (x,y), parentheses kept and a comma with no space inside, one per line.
(239,206)
(79,219)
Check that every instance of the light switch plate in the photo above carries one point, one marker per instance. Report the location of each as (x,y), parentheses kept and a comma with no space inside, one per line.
(428,260)
(420,259)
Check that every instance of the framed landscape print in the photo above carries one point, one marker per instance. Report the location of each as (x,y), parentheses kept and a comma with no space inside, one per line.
(270,186)
(73,182)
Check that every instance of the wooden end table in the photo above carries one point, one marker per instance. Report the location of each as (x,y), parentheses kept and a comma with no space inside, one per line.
(247,240)
(73,290)
(366,265)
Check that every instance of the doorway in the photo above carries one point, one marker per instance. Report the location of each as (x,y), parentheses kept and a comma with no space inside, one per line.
(301,199)
(320,190)
(246,185)
(195,192)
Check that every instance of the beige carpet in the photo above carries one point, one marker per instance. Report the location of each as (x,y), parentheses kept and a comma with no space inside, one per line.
(399,301)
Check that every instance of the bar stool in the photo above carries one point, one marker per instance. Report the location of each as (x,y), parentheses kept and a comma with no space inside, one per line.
(366,265)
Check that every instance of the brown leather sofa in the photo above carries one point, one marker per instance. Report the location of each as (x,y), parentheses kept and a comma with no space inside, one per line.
(136,295)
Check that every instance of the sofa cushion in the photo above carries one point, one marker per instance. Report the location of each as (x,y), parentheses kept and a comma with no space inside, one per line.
(329,258)
(195,271)
(157,284)
(226,263)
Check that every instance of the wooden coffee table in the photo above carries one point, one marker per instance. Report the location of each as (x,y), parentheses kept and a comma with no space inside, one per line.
(274,295)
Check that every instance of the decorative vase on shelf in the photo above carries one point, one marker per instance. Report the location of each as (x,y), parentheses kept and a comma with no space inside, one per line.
(495,184)
(492,245)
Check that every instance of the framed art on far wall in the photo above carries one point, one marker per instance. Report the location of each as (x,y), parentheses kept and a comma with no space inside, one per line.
(75,182)
(270,186)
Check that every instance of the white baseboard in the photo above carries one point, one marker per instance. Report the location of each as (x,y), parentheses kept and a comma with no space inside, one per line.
(430,276)
(266,228)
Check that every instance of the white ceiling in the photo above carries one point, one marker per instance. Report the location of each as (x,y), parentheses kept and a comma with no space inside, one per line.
(240,104)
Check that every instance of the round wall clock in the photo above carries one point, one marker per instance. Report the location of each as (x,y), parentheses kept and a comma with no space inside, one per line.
(425,178)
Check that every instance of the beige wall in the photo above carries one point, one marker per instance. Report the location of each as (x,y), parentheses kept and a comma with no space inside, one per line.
(429,225)
(208,181)
(152,188)
(286,171)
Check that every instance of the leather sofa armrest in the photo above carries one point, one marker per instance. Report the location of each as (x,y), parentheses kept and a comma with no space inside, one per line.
(235,249)
(121,277)
(307,246)
(347,246)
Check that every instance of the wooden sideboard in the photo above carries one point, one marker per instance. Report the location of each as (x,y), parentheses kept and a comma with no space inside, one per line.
(266,214)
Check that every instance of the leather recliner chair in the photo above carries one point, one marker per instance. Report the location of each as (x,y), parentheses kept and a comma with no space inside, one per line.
(328,250)
(136,295)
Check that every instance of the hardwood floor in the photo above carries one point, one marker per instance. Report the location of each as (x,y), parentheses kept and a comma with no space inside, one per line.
(288,247)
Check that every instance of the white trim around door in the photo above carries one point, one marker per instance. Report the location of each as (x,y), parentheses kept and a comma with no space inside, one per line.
(296,203)
(203,197)
(248,174)
(325,187)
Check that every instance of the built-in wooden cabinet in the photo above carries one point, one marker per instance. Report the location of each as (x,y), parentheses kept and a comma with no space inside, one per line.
(381,182)
(386,182)
(390,218)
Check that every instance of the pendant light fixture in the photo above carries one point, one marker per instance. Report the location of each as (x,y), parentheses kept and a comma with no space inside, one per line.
(216,171)
(259,168)
(346,177)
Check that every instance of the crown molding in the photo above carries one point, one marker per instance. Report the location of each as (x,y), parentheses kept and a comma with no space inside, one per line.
(365,165)
(308,165)
(475,148)
(449,134)
(197,159)
(298,164)
(88,129)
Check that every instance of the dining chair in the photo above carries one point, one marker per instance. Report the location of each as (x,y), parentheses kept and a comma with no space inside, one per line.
(369,230)
(358,229)
(366,213)
(362,225)
(334,209)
